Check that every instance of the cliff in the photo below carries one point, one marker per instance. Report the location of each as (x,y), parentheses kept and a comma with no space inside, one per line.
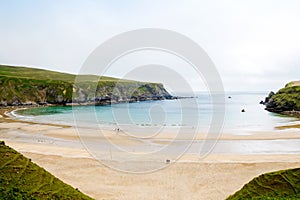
(286,100)
(26,86)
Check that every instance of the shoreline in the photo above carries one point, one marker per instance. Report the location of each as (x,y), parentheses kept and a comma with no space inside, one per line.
(290,113)
(5,110)
(8,121)
(276,134)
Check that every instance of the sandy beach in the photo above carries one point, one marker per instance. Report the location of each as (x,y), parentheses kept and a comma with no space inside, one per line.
(58,149)
(184,180)
(143,100)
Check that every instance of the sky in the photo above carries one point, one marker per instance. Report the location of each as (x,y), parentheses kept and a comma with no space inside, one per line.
(255,44)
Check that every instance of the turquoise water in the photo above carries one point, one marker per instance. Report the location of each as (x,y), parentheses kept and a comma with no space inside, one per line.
(172,113)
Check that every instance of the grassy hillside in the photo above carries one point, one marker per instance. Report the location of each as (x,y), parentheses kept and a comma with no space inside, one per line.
(278,185)
(22,179)
(286,99)
(22,85)
(41,74)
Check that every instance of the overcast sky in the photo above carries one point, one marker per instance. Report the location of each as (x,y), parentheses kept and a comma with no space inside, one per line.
(254,44)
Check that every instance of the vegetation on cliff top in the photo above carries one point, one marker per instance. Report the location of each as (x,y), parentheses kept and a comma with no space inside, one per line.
(21,85)
(293,83)
(279,185)
(286,99)
(22,179)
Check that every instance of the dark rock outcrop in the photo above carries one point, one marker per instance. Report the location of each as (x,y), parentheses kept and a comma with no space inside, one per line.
(267,99)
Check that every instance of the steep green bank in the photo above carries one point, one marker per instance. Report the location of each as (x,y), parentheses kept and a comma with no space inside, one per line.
(23,86)
(286,100)
(22,179)
(281,185)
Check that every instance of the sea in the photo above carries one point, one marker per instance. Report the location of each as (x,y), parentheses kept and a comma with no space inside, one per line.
(186,112)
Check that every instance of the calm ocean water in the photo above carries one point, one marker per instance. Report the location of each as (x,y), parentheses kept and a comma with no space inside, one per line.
(169,113)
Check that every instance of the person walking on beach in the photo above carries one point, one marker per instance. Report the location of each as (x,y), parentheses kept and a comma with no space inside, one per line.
(117,130)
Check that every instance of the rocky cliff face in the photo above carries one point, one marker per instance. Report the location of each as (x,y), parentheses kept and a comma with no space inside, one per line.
(107,92)
(15,90)
(20,91)
(285,100)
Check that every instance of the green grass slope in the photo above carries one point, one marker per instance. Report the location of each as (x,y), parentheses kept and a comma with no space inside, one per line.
(279,185)
(31,73)
(22,179)
(41,74)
